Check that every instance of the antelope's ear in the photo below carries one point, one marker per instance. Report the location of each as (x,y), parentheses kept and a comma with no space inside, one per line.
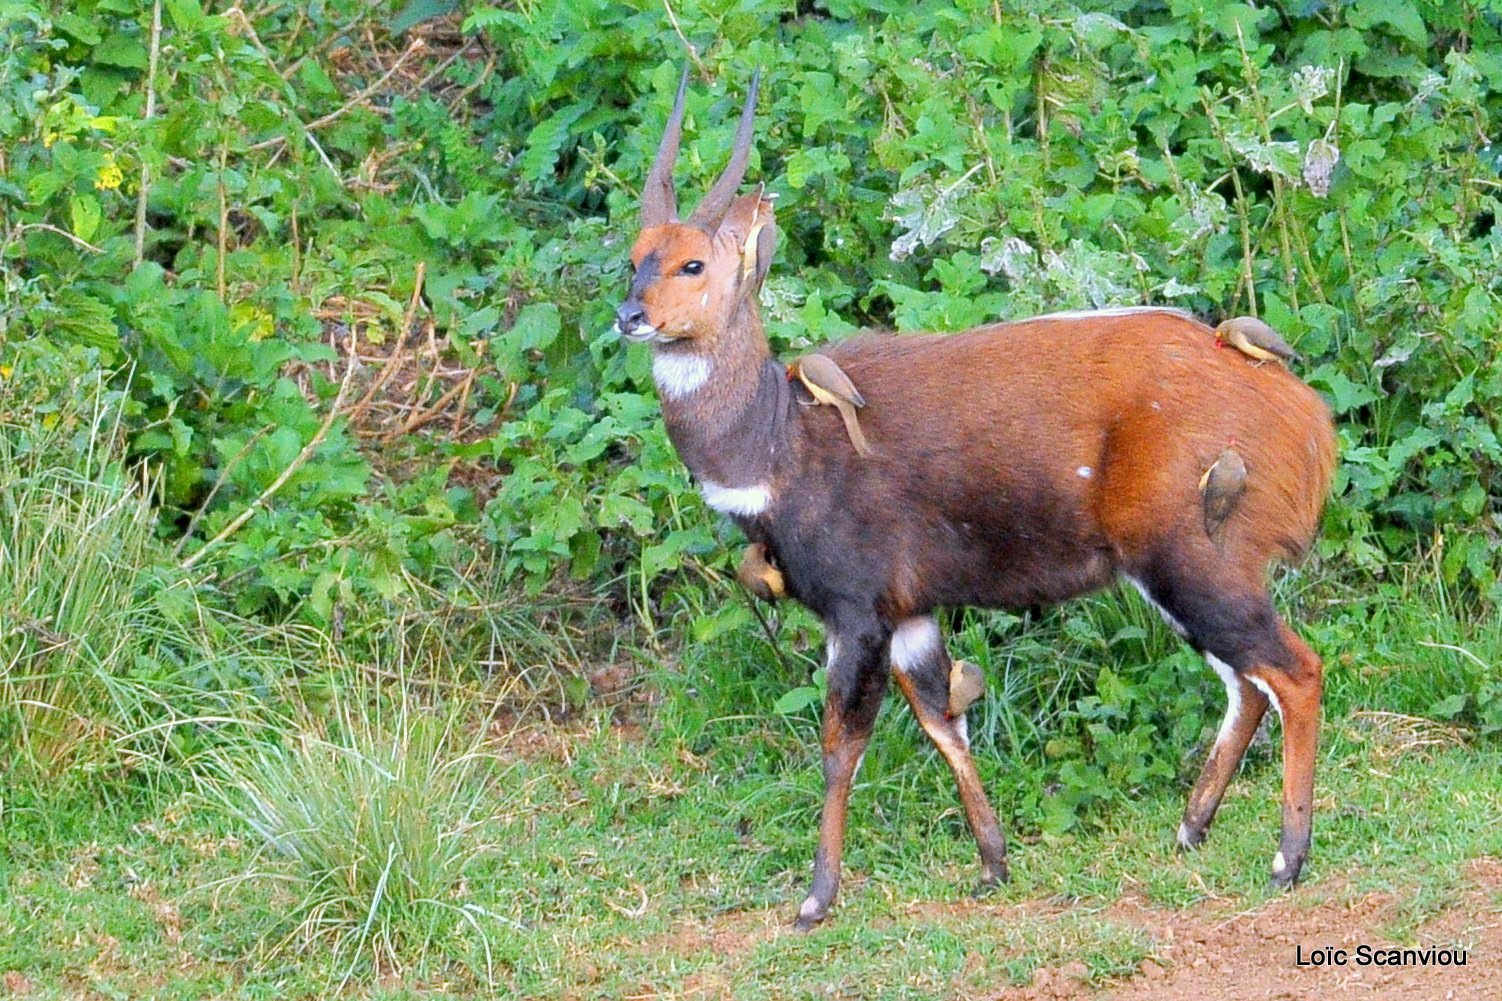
(741,216)
(765,240)
(750,228)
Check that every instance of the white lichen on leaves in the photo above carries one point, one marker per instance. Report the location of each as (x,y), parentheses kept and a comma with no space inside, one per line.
(1319,164)
(1082,275)
(1203,214)
(1012,256)
(1278,158)
(1175,289)
(1310,84)
(780,299)
(925,212)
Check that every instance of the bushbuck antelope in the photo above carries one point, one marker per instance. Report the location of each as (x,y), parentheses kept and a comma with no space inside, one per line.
(1010,465)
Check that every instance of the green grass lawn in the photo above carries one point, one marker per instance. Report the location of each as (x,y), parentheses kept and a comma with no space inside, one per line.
(194,805)
(661,850)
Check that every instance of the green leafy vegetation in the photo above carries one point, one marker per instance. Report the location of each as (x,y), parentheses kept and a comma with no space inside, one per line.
(359,626)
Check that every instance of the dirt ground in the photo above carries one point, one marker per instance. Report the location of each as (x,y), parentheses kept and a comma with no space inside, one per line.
(1251,956)
(1206,953)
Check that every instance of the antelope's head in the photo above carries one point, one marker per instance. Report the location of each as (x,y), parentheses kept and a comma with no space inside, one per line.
(691,277)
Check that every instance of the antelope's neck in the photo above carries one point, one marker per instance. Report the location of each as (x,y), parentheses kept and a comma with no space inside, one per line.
(727,415)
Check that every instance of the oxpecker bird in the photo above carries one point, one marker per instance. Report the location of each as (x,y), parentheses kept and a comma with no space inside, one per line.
(758,575)
(1255,339)
(822,376)
(966,684)
(1221,487)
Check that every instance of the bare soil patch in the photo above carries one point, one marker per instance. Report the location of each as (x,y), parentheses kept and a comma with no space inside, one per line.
(1208,955)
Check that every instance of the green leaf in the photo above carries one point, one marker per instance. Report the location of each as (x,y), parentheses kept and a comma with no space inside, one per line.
(820,101)
(1448,707)
(418,11)
(120,49)
(86,320)
(186,15)
(727,618)
(1400,15)
(494,17)
(86,215)
(81,28)
(1127,634)
(481,321)
(796,700)
(537,325)
(545,140)
(1344,394)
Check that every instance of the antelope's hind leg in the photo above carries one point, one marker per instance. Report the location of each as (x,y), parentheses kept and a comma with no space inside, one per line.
(1245,707)
(921,665)
(1296,687)
(1260,660)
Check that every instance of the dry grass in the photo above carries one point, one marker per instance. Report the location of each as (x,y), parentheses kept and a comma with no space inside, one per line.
(1393,735)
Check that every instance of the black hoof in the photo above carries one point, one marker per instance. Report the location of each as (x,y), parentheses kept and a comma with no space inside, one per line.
(810,914)
(1189,838)
(991,877)
(1286,871)
(985,888)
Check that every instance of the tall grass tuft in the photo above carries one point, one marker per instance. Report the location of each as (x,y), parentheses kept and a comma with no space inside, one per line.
(370,819)
(108,660)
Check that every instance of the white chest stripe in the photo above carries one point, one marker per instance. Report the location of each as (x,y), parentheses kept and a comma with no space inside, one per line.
(677,375)
(736,500)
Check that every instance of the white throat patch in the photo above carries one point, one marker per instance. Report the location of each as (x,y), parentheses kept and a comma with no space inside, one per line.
(677,375)
(746,501)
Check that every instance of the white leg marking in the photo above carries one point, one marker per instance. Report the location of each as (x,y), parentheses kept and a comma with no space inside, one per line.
(677,375)
(915,639)
(747,501)
(1233,697)
(1184,841)
(1173,623)
(810,908)
(1279,862)
(1263,687)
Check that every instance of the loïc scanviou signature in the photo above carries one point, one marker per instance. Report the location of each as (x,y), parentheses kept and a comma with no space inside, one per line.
(1367,955)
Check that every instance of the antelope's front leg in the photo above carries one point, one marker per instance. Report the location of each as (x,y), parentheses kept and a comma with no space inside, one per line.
(857,682)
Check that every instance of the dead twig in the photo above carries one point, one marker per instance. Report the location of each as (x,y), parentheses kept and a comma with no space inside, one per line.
(156,51)
(469,381)
(692,52)
(224,474)
(393,361)
(286,474)
(423,416)
(77,241)
(417,45)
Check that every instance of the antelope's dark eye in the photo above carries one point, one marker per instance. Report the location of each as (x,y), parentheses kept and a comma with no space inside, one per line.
(692,268)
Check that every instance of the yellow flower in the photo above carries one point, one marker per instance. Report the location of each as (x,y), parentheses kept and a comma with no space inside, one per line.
(109,176)
(5,371)
(50,138)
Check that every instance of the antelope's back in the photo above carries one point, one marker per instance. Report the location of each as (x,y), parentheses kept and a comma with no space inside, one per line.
(1097,427)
